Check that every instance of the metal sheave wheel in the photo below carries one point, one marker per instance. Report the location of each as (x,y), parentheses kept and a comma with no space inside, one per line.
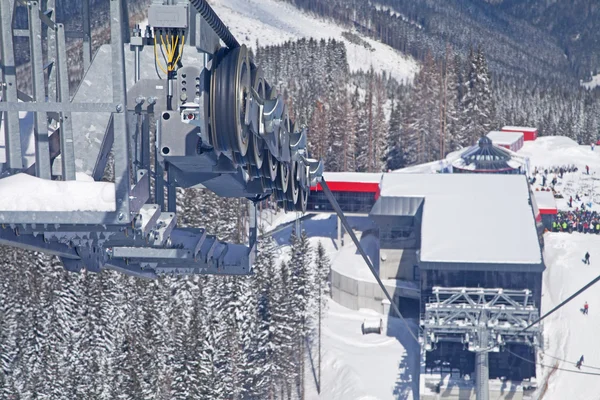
(230,84)
(256,144)
(292,193)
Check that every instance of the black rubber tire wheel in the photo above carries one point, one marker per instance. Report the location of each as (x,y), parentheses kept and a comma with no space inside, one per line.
(302,202)
(292,192)
(256,144)
(230,82)
(283,177)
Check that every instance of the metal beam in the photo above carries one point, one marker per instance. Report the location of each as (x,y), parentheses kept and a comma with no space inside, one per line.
(87,37)
(119,92)
(51,54)
(12,133)
(11,237)
(67,150)
(59,107)
(40,128)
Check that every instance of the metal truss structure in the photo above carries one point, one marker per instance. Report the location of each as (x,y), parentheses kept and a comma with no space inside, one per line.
(482,319)
(219,125)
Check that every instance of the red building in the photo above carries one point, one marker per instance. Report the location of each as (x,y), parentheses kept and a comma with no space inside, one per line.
(356,192)
(529,134)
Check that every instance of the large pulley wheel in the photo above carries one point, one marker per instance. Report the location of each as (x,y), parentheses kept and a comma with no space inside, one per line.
(230,88)
(270,166)
(302,200)
(292,193)
(285,128)
(283,177)
(256,144)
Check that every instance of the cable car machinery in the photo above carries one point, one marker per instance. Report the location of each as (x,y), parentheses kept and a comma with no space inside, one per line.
(219,125)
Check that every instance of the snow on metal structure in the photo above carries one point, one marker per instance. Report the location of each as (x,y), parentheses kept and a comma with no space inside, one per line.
(482,319)
(219,125)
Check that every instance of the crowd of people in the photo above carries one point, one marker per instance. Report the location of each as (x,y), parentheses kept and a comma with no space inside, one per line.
(579,220)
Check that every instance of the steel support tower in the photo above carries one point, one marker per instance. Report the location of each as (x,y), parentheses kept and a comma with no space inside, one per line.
(484,320)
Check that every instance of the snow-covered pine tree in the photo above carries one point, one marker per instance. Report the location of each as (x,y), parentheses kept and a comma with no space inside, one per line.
(380,124)
(185,361)
(450,102)
(284,334)
(317,143)
(394,154)
(338,150)
(266,287)
(300,278)
(477,107)
(322,279)
(363,135)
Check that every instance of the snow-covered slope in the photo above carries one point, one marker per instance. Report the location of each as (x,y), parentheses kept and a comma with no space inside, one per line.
(274,22)
(568,333)
(549,151)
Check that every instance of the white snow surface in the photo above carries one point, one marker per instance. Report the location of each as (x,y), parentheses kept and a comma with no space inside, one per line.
(353,367)
(27,139)
(508,138)
(593,83)
(549,151)
(23,192)
(274,22)
(363,367)
(545,200)
(353,177)
(471,217)
(568,333)
(519,128)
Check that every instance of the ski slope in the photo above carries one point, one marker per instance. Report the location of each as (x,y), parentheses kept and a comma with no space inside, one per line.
(568,333)
(273,22)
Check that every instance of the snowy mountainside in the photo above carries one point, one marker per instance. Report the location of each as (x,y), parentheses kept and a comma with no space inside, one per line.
(271,22)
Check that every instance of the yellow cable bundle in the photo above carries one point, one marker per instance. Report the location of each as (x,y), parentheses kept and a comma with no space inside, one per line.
(156,56)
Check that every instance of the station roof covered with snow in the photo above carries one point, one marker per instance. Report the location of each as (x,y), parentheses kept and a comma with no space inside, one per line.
(471,218)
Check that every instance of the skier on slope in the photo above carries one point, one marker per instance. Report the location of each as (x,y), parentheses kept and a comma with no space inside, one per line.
(578,365)
(586,260)
(587,169)
(585,308)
